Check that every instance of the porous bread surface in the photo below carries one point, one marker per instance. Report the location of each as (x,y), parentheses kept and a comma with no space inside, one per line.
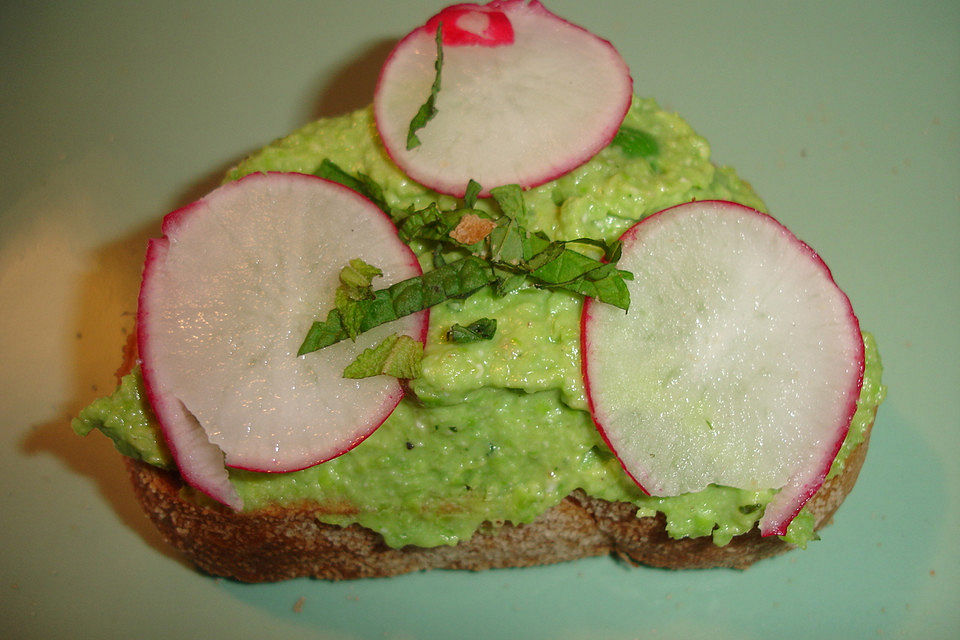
(281,543)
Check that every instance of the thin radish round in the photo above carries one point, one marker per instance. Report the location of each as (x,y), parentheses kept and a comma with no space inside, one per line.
(739,362)
(227,296)
(524,97)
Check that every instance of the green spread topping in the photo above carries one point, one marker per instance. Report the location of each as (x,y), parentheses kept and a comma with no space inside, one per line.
(126,418)
(495,430)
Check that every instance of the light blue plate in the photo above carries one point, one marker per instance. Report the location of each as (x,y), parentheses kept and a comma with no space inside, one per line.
(845,117)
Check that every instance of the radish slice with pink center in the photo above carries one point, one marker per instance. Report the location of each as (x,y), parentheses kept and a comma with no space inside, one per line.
(525,97)
(739,363)
(228,295)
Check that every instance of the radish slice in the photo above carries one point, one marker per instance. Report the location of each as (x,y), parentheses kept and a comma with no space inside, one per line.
(227,296)
(525,97)
(739,363)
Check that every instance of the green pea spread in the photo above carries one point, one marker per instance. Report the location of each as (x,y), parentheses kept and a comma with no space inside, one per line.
(496,431)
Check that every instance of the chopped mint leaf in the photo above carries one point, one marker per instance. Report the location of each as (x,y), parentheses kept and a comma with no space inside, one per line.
(510,200)
(357,277)
(438,258)
(426,224)
(355,285)
(611,250)
(399,356)
(609,288)
(455,279)
(507,257)
(473,190)
(507,243)
(553,265)
(361,183)
(324,333)
(636,143)
(477,331)
(510,283)
(429,108)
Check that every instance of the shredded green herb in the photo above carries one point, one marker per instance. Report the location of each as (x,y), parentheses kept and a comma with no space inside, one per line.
(455,279)
(429,108)
(636,143)
(355,285)
(476,331)
(398,355)
(508,258)
(361,183)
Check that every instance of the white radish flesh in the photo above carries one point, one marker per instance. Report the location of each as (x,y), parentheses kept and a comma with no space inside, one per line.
(525,97)
(228,295)
(739,362)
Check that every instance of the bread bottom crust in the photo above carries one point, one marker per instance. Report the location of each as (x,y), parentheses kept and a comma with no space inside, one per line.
(277,543)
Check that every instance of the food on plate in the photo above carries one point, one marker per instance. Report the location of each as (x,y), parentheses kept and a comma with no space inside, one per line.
(526,97)
(743,369)
(234,271)
(352,361)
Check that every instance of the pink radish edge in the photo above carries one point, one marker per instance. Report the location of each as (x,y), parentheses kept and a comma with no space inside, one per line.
(785,506)
(499,31)
(498,38)
(205,475)
(392,399)
(219,488)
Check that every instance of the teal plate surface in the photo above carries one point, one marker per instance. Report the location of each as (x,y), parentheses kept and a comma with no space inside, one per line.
(844,116)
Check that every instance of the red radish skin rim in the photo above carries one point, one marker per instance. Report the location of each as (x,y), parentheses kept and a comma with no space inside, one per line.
(499,30)
(776,520)
(163,407)
(394,398)
(552,172)
(161,404)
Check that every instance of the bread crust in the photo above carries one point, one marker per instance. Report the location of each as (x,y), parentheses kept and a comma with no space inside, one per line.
(277,543)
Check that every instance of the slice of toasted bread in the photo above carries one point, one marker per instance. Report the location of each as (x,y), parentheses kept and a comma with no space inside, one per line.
(281,543)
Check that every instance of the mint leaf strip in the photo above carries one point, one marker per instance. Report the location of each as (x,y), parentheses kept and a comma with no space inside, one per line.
(477,331)
(355,285)
(510,200)
(429,108)
(398,355)
(455,279)
(473,190)
(361,183)
(357,277)
(636,143)
(582,274)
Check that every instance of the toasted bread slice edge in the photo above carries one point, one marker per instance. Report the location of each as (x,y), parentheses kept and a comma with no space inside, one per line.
(282,543)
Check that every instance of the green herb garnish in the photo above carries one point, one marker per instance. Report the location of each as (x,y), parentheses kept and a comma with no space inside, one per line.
(552,264)
(429,108)
(636,143)
(455,279)
(355,284)
(398,355)
(508,257)
(477,331)
(361,183)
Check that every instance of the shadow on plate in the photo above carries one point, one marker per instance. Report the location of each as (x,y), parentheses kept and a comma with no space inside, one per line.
(352,87)
(104,316)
